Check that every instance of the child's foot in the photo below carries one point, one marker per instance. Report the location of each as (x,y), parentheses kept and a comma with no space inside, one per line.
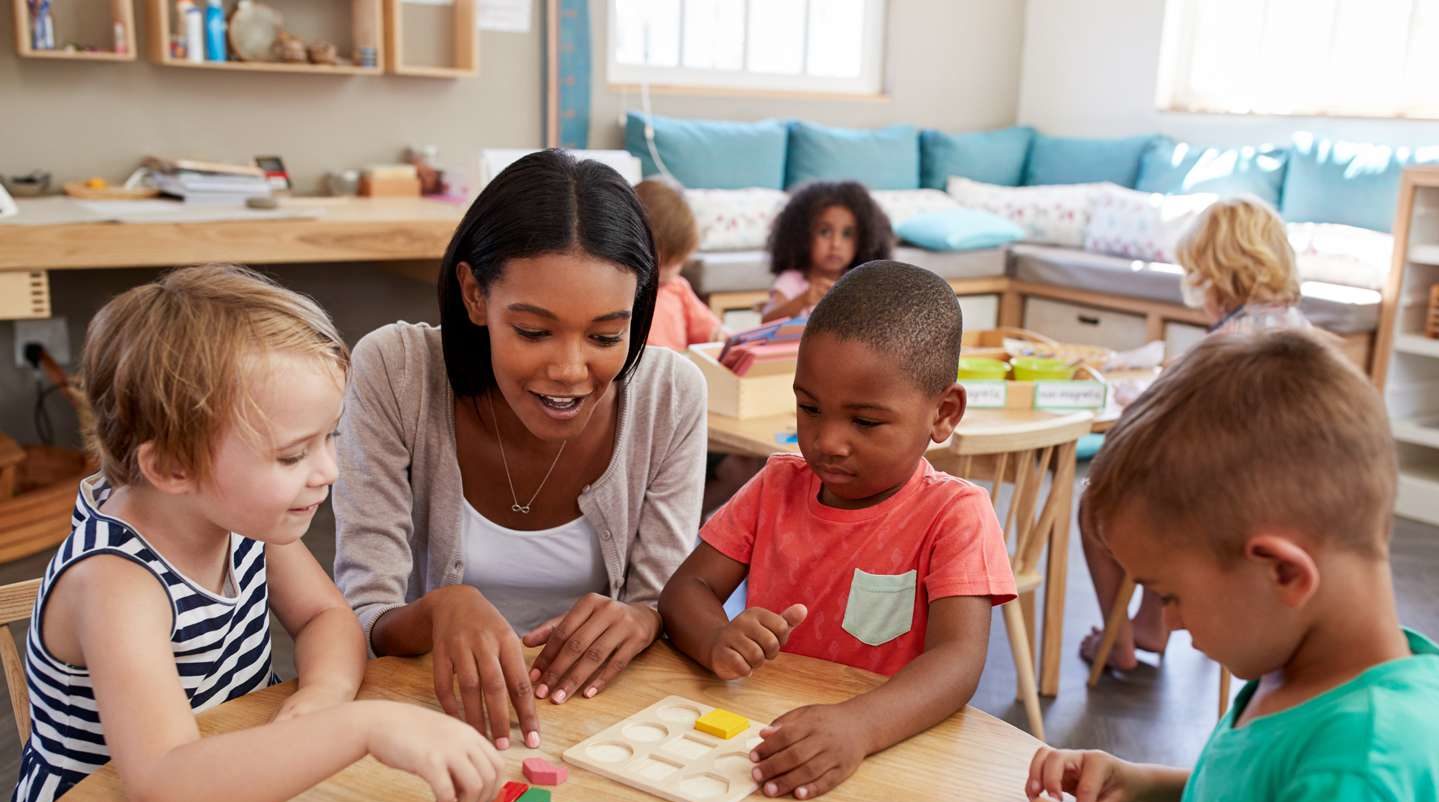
(1121,657)
(1150,633)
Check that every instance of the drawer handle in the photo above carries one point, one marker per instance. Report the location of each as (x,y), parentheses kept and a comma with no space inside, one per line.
(1087,320)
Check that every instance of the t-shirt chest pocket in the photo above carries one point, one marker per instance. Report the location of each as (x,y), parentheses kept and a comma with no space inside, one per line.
(880,606)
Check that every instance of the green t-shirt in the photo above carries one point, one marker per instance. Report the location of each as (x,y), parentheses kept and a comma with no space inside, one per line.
(1375,737)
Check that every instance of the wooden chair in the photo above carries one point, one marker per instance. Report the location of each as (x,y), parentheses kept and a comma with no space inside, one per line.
(1111,633)
(1021,455)
(17,600)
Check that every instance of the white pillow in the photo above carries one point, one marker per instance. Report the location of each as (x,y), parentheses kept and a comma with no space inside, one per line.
(1140,225)
(902,204)
(1339,254)
(734,219)
(1056,214)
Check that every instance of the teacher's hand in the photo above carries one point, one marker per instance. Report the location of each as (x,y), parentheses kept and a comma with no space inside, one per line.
(475,647)
(589,645)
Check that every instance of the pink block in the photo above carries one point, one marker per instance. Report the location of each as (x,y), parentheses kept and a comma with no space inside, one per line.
(542,772)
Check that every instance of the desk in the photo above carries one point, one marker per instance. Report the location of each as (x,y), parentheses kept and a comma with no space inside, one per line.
(347,230)
(971,756)
(756,437)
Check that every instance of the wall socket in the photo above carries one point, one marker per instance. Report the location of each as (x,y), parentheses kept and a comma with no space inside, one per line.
(53,333)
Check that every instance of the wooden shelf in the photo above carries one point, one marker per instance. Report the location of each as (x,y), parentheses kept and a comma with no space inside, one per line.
(1426,254)
(1417,344)
(1419,432)
(120,11)
(365,23)
(1418,492)
(465,43)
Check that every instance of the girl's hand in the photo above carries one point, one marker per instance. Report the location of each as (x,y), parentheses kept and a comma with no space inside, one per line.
(818,288)
(452,757)
(754,636)
(312,698)
(590,645)
(807,751)
(475,646)
(1091,775)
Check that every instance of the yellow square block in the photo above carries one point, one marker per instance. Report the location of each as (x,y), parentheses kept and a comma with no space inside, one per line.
(721,724)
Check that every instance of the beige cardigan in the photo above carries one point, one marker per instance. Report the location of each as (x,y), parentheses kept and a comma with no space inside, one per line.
(398,500)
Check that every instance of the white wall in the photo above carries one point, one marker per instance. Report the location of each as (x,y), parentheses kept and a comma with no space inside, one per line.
(1090,69)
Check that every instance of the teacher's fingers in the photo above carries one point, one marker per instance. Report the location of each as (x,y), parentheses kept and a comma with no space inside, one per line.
(540,634)
(560,634)
(613,667)
(445,682)
(586,671)
(497,701)
(467,667)
(517,683)
(579,655)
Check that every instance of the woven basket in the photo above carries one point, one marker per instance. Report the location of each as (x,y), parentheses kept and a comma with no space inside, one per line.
(1431,323)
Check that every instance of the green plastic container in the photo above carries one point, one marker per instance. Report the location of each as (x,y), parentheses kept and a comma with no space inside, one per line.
(1041,369)
(978,368)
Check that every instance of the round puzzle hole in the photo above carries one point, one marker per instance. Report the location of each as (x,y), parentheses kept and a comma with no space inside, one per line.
(680,714)
(610,753)
(736,762)
(705,786)
(645,733)
(752,743)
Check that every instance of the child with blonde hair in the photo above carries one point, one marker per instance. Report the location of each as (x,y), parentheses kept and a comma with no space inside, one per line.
(681,319)
(1240,269)
(215,395)
(1252,488)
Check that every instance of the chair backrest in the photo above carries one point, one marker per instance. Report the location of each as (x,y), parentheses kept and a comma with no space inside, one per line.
(17,600)
(1020,454)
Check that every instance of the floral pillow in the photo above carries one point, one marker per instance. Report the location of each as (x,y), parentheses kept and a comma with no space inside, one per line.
(1140,225)
(734,219)
(1055,214)
(900,205)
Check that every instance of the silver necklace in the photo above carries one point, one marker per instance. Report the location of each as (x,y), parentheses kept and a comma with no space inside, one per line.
(523,509)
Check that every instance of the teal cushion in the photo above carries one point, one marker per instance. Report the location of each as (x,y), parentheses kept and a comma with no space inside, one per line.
(1063,160)
(703,154)
(991,157)
(879,158)
(958,230)
(1179,168)
(1346,182)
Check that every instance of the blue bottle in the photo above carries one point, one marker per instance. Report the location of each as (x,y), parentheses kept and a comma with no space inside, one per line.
(215,32)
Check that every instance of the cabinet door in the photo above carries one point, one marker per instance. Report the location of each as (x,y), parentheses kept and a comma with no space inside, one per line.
(980,311)
(1072,323)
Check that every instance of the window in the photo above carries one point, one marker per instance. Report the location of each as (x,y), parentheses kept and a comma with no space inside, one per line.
(786,45)
(1362,58)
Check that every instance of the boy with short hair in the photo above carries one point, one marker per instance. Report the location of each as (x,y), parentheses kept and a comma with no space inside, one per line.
(859,552)
(1251,488)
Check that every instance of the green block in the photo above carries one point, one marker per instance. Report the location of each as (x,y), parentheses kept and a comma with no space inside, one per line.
(535,795)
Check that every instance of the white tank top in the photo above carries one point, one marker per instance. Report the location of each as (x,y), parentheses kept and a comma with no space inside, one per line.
(532,576)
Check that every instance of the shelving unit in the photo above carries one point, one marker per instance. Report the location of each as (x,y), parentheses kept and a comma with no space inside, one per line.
(366,22)
(121,11)
(461,26)
(1408,360)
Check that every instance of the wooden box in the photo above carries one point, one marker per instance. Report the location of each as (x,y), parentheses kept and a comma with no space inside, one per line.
(389,187)
(1087,390)
(767,391)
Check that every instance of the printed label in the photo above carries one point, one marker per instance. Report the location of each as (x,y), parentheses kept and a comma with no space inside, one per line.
(1069,395)
(986,394)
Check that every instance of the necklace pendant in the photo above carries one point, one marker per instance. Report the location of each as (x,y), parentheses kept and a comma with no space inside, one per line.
(525,510)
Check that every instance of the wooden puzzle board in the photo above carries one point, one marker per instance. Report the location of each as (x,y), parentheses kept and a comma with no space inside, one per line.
(658,750)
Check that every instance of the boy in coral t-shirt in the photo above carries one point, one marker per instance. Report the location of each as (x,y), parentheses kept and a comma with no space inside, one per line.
(860,552)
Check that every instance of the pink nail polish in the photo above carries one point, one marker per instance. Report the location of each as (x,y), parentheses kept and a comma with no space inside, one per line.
(542,691)
(559,697)
(534,675)
(532,740)
(756,775)
(590,694)
(771,789)
(502,744)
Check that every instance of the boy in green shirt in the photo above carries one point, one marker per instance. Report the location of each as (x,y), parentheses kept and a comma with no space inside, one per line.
(1251,488)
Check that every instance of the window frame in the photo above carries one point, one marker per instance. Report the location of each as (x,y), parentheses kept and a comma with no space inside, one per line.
(869,83)
(1174,94)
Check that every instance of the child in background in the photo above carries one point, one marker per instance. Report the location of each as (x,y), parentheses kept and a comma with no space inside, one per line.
(826,229)
(681,319)
(860,552)
(215,395)
(1252,488)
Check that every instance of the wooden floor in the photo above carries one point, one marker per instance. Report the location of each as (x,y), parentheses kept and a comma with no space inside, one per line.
(1158,713)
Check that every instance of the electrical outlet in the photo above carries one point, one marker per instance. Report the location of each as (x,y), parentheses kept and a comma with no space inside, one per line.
(51,332)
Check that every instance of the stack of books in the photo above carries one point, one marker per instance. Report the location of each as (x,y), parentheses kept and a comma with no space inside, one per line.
(769,349)
(206,182)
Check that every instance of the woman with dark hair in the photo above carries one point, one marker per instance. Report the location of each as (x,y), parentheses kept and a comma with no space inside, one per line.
(827,228)
(527,474)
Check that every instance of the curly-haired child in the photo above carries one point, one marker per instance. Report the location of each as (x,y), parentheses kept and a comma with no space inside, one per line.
(826,229)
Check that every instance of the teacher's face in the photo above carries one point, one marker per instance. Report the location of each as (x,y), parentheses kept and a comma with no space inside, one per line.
(559,333)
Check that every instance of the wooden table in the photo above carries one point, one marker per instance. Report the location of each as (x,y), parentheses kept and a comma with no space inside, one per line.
(347,230)
(757,437)
(970,756)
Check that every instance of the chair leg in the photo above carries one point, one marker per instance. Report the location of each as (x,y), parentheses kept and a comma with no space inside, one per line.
(1223,691)
(1111,629)
(1027,606)
(1024,668)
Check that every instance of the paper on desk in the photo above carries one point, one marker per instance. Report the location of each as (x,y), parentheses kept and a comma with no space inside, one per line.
(52,212)
(162,211)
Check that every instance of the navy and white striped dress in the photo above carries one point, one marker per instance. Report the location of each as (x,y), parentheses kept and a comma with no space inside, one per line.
(221,646)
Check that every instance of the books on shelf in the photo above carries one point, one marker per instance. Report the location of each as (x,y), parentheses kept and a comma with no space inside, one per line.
(195,181)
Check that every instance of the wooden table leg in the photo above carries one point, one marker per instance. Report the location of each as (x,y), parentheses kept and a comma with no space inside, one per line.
(1056,573)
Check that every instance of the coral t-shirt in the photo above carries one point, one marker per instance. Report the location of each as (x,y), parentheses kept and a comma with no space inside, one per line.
(867,576)
(681,319)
